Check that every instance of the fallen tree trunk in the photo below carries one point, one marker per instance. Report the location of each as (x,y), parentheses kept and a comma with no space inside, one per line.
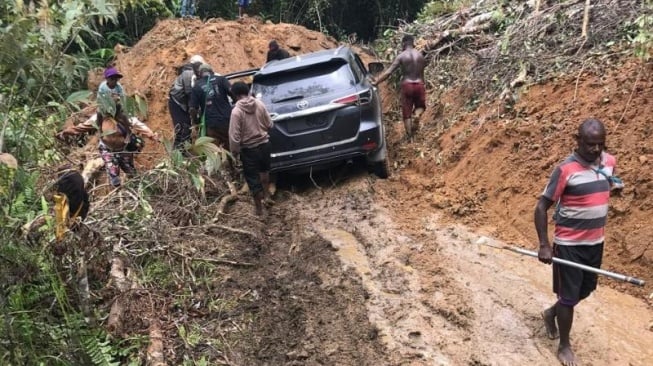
(586,19)
(473,26)
(155,355)
(119,279)
(476,22)
(114,323)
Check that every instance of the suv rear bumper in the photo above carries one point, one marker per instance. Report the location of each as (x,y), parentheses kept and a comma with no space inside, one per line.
(368,142)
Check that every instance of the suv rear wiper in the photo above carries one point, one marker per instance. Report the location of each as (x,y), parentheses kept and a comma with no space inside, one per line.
(287,98)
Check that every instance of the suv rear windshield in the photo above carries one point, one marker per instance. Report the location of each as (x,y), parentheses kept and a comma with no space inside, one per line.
(303,83)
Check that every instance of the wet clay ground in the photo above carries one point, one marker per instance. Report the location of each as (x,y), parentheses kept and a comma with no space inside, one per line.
(435,295)
(389,272)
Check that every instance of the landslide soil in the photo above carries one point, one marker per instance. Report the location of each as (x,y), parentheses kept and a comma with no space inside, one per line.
(362,271)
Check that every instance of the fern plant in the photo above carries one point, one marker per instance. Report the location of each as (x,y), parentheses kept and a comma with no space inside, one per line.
(101,352)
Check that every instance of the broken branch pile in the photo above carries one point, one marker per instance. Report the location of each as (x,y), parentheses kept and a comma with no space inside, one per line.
(165,246)
(493,47)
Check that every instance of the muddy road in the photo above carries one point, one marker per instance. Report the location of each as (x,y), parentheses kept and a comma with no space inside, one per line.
(393,284)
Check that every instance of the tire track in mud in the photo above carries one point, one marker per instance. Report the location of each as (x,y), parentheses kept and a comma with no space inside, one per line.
(439,299)
(413,323)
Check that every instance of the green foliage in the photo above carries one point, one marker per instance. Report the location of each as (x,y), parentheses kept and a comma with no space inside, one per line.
(643,38)
(101,353)
(23,207)
(157,273)
(214,155)
(41,319)
(134,105)
(191,335)
(338,18)
(81,96)
(40,324)
(434,9)
(102,56)
(106,104)
(39,39)
(138,17)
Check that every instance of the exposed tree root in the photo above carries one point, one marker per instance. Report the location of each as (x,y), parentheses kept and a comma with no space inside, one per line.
(226,200)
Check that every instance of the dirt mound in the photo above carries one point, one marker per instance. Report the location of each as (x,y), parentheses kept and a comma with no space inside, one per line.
(490,166)
(150,66)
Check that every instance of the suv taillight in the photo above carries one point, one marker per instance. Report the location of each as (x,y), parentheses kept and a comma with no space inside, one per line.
(348,100)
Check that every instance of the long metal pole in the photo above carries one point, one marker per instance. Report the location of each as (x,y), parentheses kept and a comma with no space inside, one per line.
(617,276)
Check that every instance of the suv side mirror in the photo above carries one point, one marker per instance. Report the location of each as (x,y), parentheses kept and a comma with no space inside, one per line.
(375,67)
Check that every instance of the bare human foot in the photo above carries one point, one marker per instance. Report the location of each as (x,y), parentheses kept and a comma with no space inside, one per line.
(567,356)
(548,316)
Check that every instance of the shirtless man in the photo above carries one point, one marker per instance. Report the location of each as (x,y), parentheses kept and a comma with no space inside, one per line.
(413,93)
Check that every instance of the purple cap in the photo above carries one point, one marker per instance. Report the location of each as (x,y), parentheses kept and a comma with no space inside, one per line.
(112,71)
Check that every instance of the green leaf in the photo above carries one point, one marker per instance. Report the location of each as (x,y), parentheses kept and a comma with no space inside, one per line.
(106,104)
(44,205)
(141,106)
(198,182)
(82,96)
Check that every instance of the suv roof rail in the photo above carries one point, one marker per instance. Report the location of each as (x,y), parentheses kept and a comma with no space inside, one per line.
(242,73)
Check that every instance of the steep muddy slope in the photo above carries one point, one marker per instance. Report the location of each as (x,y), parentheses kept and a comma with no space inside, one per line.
(489,168)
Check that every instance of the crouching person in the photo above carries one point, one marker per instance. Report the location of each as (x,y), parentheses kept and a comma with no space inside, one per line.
(249,141)
(118,141)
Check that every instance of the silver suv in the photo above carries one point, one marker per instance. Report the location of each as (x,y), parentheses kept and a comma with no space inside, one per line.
(325,110)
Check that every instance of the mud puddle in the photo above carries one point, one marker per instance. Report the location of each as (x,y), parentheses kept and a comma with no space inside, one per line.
(438,298)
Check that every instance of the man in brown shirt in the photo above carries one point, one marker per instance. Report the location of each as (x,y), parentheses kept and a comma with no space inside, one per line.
(249,140)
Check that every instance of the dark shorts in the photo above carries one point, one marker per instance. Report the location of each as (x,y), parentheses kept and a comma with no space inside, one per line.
(413,96)
(573,284)
(243,3)
(255,160)
(181,123)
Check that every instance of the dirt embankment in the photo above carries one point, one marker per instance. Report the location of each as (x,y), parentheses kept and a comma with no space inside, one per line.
(489,168)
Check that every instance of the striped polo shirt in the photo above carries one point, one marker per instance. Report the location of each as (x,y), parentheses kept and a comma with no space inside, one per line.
(581,191)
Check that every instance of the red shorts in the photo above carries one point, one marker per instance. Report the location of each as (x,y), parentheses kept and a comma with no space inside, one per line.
(413,96)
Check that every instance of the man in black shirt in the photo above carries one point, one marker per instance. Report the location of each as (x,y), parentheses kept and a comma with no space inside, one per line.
(180,98)
(209,102)
(275,52)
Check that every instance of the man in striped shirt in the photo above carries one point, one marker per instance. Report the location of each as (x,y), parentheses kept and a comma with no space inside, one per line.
(580,189)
